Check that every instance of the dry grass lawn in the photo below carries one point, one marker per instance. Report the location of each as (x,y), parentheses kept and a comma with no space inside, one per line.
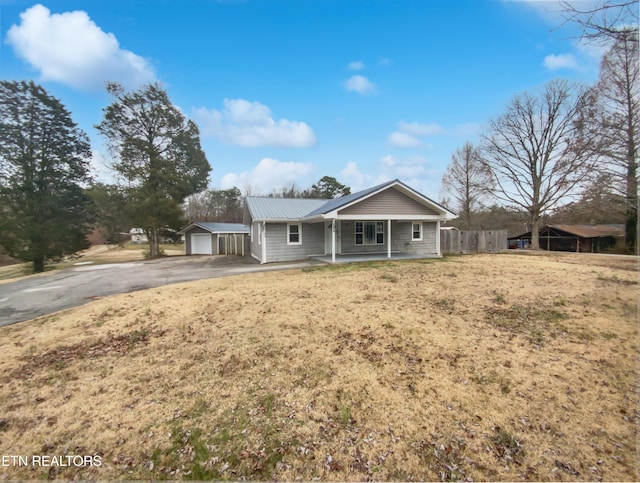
(489,367)
(98,254)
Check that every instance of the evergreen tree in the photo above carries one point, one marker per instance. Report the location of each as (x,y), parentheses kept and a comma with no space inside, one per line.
(111,208)
(328,187)
(44,161)
(157,151)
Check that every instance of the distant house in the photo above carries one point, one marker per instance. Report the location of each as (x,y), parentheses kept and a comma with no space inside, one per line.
(385,219)
(573,238)
(206,238)
(138,235)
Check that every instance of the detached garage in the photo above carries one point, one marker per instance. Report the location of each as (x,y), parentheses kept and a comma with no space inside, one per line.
(205,238)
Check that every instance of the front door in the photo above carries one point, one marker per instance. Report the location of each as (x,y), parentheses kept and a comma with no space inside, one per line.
(327,238)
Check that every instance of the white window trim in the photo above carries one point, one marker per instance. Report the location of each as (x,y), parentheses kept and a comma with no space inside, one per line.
(289,225)
(421,231)
(375,233)
(259,234)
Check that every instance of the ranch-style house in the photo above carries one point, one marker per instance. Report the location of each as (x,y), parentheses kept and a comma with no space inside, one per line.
(389,219)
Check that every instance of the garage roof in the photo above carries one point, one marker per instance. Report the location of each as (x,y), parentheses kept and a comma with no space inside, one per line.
(215,227)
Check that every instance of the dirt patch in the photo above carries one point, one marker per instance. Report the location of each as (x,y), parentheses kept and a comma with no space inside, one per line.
(481,367)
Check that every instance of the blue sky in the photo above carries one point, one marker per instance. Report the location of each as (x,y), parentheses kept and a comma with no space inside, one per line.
(292,90)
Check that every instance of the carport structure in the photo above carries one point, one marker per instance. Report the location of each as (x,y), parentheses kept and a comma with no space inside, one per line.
(574,238)
(212,238)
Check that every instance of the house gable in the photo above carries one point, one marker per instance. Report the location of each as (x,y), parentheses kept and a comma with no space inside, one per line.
(388,202)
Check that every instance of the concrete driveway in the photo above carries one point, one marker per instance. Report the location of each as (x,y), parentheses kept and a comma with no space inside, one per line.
(34,296)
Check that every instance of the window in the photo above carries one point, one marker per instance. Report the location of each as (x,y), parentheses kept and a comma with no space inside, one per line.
(369,232)
(294,235)
(416,231)
(379,232)
(359,233)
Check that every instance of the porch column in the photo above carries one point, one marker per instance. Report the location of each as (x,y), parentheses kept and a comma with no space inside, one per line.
(264,242)
(333,241)
(438,238)
(389,238)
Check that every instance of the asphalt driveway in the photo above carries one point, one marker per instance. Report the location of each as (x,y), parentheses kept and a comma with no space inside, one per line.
(32,297)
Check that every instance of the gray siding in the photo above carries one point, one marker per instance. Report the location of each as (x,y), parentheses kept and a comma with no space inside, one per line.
(279,251)
(389,202)
(400,239)
(254,245)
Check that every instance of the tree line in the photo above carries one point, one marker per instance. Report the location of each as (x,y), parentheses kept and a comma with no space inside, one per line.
(49,201)
(563,152)
(227,205)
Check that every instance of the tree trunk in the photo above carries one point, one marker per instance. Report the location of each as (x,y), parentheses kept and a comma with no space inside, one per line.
(38,264)
(154,243)
(631,229)
(631,217)
(535,234)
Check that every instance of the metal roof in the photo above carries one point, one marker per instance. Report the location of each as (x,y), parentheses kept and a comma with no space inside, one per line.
(281,209)
(284,209)
(337,203)
(215,227)
(591,231)
(582,231)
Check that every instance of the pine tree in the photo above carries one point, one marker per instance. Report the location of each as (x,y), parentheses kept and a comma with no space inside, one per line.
(44,161)
(157,151)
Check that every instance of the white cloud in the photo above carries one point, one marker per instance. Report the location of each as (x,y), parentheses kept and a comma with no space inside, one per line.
(403,140)
(407,169)
(267,175)
(408,134)
(71,49)
(355,65)
(413,170)
(470,129)
(562,61)
(360,84)
(417,129)
(250,124)
(550,10)
(352,176)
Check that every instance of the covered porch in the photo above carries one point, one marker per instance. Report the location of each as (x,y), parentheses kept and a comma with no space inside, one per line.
(370,238)
(369,257)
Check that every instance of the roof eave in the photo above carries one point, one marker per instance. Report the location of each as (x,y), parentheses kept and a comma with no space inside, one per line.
(276,220)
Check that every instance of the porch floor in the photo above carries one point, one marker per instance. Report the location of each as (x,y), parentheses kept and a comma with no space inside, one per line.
(369,257)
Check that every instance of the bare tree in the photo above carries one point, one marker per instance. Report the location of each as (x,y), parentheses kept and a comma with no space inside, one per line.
(606,20)
(611,121)
(467,181)
(598,204)
(215,205)
(532,150)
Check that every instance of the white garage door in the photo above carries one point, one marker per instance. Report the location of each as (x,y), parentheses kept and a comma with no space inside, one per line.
(201,244)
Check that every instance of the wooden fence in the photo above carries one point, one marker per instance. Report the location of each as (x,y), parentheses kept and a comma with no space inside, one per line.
(472,241)
(233,244)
